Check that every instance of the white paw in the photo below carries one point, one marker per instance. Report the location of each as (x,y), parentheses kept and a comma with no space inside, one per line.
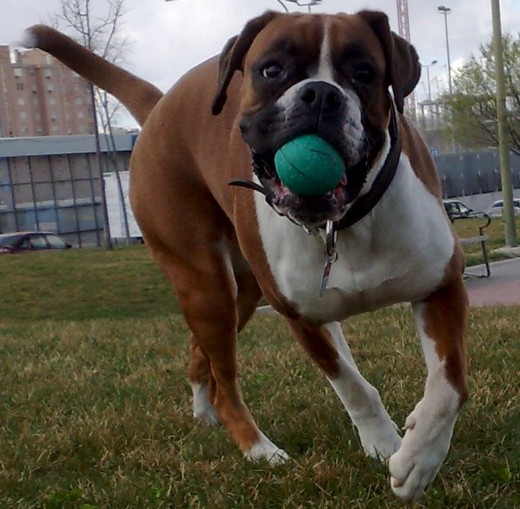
(425,445)
(379,438)
(264,449)
(202,408)
(411,474)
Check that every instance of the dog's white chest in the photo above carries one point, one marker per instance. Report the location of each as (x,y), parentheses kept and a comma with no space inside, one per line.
(396,254)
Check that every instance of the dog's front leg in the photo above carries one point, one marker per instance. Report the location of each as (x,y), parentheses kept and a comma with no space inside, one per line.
(328,348)
(441,321)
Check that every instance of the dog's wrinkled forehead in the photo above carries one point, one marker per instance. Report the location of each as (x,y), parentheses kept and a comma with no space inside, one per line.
(308,47)
(298,39)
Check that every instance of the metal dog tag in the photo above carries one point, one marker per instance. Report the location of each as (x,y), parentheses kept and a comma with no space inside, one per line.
(331,255)
(325,276)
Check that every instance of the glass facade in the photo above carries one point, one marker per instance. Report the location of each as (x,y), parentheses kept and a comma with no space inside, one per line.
(60,193)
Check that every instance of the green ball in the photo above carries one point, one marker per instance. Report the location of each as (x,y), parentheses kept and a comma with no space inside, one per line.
(309,166)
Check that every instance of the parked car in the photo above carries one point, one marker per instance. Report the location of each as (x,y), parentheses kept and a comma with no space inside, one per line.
(496,208)
(25,242)
(457,210)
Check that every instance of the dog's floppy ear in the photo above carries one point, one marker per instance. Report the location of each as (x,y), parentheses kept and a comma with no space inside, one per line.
(403,67)
(232,56)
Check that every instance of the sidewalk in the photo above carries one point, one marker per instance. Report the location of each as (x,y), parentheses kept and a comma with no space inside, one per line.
(502,287)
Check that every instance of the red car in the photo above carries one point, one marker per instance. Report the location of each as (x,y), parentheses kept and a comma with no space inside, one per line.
(25,242)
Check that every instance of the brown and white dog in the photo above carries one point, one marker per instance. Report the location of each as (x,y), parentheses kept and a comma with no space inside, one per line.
(344,78)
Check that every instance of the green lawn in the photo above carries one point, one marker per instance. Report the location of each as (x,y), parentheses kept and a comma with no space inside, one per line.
(82,284)
(95,408)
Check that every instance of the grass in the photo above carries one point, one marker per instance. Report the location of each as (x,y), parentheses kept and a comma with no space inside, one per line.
(82,284)
(95,408)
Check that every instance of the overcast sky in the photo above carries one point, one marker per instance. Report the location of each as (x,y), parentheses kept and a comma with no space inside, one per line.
(168,38)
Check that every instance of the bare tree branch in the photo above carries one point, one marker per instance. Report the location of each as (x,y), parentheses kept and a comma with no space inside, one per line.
(97,25)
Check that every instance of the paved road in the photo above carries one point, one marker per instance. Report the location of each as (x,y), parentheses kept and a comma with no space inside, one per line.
(502,287)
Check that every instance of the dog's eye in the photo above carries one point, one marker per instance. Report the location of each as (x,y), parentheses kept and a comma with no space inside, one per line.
(363,73)
(272,70)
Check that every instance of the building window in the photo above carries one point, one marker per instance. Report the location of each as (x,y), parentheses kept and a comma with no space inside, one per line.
(18,73)
(19,86)
(81,114)
(52,101)
(23,115)
(79,100)
(21,101)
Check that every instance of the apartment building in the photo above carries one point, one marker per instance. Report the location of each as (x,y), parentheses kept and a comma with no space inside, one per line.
(39,96)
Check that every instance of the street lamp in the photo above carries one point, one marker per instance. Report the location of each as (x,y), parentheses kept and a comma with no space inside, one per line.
(433,62)
(308,3)
(445,11)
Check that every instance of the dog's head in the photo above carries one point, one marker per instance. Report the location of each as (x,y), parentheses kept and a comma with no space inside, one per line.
(317,74)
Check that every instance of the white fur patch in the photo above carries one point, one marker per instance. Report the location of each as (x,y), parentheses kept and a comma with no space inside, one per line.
(29,39)
(325,68)
(398,253)
(429,427)
(264,449)
(202,408)
(377,432)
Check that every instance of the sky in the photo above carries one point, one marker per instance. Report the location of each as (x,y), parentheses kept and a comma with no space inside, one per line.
(168,38)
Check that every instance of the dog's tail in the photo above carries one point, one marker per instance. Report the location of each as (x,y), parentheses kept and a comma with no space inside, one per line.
(139,96)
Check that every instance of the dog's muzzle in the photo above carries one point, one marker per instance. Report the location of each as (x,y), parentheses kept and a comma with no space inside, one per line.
(322,109)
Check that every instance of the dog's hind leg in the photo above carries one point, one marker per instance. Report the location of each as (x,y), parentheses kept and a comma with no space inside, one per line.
(202,385)
(441,321)
(327,347)
(248,296)
(201,380)
(207,291)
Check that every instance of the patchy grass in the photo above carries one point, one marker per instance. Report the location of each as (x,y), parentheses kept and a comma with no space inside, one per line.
(95,408)
(97,414)
(83,284)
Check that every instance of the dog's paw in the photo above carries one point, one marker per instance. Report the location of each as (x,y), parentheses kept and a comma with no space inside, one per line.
(264,449)
(379,438)
(425,445)
(202,408)
(411,474)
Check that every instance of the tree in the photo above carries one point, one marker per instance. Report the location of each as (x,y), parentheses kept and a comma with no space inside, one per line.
(472,107)
(97,27)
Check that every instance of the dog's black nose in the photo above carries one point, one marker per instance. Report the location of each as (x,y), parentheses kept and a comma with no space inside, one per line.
(322,97)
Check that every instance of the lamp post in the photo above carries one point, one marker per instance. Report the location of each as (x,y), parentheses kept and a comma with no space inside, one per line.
(427,67)
(307,3)
(445,11)
(502,121)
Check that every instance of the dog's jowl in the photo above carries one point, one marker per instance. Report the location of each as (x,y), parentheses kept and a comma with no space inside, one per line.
(379,237)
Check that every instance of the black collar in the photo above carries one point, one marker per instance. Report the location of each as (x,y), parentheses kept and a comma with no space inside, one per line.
(365,203)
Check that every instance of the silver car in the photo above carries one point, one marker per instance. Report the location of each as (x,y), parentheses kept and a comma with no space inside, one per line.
(496,208)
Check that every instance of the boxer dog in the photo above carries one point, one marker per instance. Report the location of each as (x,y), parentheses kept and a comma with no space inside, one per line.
(379,238)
